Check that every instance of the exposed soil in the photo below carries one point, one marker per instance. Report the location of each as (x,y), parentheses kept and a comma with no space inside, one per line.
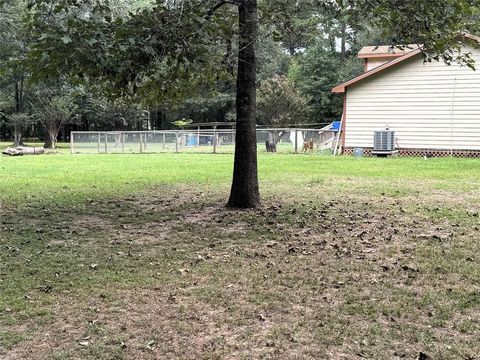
(318,278)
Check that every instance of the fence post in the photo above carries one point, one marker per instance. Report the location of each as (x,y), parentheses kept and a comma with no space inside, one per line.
(183,140)
(99,139)
(176,141)
(163,145)
(141,143)
(145,141)
(214,139)
(71,143)
(296,141)
(106,143)
(123,142)
(198,136)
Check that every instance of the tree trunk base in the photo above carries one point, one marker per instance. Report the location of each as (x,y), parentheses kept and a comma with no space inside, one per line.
(48,143)
(242,203)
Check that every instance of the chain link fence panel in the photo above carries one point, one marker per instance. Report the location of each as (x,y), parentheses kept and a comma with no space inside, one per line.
(287,141)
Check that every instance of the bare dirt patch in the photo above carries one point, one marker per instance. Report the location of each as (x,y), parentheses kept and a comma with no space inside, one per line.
(331,278)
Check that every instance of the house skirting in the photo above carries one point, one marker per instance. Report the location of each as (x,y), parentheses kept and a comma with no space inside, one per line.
(423,152)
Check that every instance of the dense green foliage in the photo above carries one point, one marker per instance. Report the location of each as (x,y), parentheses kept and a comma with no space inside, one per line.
(280,104)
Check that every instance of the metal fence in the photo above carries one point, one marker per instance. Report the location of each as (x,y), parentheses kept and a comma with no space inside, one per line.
(198,141)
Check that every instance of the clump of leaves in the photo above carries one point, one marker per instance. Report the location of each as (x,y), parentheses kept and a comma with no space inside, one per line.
(182,123)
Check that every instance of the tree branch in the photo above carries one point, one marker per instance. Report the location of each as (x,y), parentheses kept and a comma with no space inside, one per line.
(219,5)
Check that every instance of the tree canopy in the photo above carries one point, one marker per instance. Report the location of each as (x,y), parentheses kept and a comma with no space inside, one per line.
(167,51)
(280,104)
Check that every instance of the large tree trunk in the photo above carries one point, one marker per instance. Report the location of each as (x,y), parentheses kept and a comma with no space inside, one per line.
(244,192)
(343,49)
(51,138)
(48,142)
(17,136)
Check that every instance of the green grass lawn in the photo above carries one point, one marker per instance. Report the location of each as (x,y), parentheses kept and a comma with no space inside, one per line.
(135,256)
(72,178)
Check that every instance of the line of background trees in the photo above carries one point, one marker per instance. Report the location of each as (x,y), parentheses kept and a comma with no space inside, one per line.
(299,59)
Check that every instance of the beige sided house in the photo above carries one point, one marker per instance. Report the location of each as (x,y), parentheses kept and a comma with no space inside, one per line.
(433,108)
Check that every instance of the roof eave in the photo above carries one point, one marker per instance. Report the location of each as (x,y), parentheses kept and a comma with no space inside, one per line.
(368,56)
(339,89)
(472,37)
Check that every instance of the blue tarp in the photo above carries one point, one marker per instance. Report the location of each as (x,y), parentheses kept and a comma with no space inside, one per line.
(336,126)
(192,140)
